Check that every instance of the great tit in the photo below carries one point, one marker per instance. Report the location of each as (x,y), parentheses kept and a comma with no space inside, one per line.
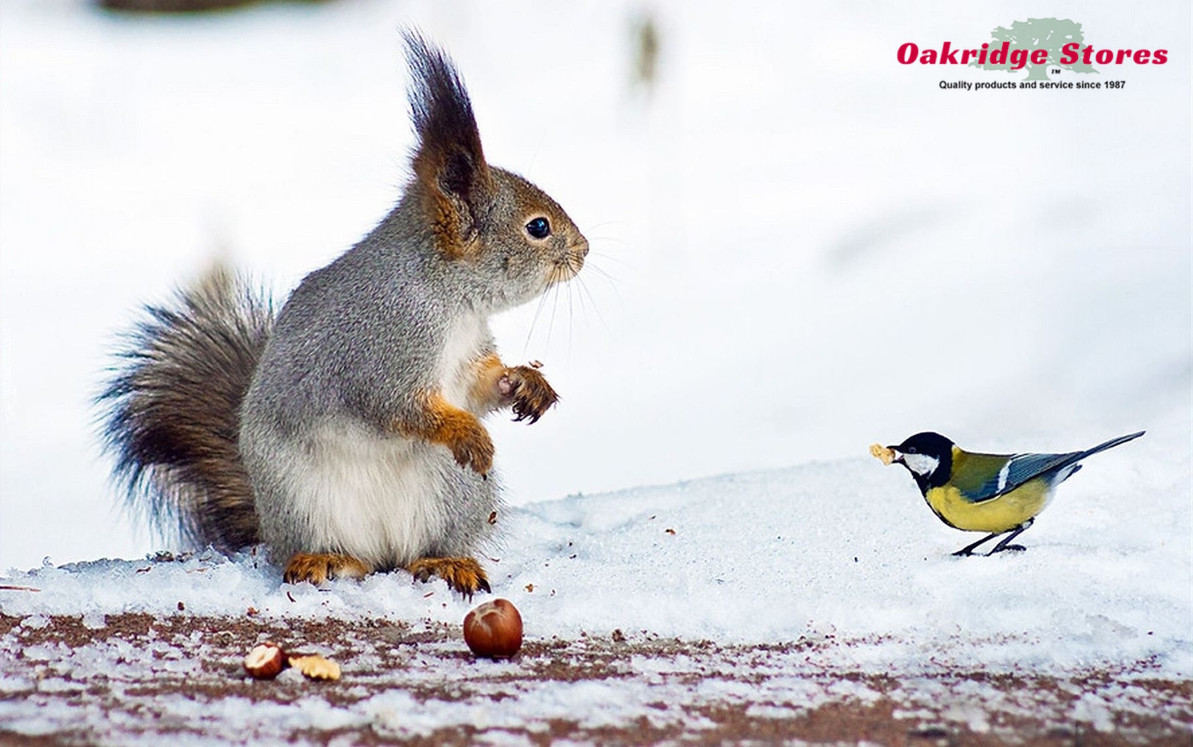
(995,493)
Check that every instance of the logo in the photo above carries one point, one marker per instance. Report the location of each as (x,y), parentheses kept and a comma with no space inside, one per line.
(1039,46)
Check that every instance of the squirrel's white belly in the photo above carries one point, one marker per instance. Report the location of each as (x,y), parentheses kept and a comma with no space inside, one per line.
(380,499)
(463,344)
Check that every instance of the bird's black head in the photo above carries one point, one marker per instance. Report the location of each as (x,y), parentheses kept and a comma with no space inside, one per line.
(928,457)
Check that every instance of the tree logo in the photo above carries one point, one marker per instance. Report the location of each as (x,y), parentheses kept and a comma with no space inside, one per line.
(1054,35)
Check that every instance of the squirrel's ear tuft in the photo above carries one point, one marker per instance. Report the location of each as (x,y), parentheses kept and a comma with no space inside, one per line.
(448,161)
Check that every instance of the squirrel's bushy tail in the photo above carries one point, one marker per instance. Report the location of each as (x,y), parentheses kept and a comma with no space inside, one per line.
(171,412)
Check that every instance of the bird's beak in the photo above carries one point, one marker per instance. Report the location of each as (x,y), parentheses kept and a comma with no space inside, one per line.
(897,456)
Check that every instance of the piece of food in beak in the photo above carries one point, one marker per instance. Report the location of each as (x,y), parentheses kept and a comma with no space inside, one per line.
(885,453)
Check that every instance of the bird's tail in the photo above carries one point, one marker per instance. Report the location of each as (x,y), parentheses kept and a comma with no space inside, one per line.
(1109,445)
(170,412)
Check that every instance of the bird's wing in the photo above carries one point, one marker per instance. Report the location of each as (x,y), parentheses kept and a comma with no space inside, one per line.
(996,474)
(1013,472)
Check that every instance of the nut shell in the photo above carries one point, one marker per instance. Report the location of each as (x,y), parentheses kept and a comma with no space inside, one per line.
(265,661)
(494,629)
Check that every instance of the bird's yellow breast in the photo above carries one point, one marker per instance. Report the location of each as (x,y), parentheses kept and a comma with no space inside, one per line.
(999,514)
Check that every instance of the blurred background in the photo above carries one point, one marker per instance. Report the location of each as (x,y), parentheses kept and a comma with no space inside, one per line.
(799,246)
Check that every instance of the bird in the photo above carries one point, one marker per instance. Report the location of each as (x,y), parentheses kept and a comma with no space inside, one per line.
(994,493)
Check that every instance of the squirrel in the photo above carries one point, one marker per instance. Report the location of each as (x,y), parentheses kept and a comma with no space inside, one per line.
(344,432)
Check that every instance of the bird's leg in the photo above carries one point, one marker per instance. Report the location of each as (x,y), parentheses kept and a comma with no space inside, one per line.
(1004,545)
(968,549)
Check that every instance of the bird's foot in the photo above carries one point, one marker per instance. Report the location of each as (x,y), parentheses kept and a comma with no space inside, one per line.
(1016,548)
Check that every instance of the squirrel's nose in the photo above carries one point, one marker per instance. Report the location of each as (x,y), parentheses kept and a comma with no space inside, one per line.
(581,247)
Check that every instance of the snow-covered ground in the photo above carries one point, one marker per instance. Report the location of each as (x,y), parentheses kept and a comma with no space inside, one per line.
(820,587)
(843,548)
(800,247)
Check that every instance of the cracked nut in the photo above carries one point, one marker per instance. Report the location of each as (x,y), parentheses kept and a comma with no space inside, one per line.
(878,451)
(494,629)
(265,661)
(315,666)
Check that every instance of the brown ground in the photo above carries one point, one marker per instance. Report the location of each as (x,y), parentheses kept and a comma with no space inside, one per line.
(137,678)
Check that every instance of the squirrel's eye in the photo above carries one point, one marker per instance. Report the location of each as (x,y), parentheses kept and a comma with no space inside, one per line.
(539,228)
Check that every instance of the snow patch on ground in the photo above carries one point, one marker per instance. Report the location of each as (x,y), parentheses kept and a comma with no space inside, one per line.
(844,550)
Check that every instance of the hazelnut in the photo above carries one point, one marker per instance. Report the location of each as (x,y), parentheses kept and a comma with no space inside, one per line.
(494,629)
(265,661)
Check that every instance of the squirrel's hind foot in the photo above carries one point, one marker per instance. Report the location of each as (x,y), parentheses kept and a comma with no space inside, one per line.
(462,574)
(319,567)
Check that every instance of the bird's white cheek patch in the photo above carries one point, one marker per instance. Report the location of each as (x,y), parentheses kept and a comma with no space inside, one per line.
(921,464)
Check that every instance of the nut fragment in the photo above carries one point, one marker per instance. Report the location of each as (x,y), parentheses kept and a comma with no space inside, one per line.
(494,629)
(881,452)
(315,666)
(265,661)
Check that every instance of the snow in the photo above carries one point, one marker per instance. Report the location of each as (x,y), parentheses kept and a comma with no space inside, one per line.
(844,549)
(800,247)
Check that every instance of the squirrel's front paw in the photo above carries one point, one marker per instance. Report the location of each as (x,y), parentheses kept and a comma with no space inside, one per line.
(527,391)
(471,447)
